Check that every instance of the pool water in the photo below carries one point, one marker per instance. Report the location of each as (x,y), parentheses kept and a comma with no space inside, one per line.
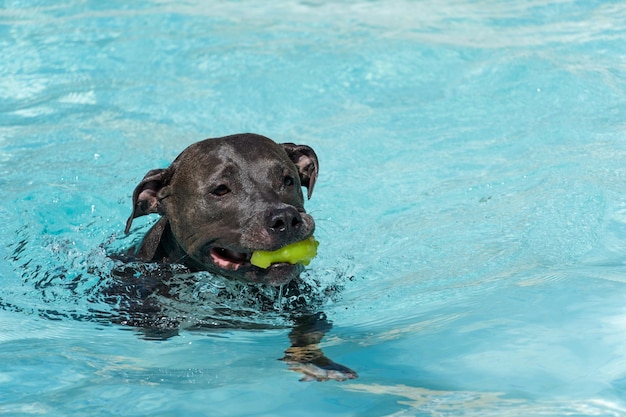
(471,204)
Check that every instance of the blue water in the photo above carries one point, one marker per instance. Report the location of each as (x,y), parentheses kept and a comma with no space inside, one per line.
(471,204)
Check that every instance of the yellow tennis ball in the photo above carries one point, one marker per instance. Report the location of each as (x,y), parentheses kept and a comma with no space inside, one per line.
(296,253)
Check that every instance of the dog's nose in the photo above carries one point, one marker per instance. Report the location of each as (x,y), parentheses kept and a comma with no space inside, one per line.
(283,220)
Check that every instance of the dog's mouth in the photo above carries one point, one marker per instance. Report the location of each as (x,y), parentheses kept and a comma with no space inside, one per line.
(229,259)
(237,264)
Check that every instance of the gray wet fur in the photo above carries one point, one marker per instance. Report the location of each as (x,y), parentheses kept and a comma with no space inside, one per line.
(223,198)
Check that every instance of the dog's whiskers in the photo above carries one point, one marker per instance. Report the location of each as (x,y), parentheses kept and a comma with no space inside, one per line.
(181,259)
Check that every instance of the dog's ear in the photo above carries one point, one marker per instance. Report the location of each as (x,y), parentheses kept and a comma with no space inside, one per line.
(145,196)
(149,247)
(305,160)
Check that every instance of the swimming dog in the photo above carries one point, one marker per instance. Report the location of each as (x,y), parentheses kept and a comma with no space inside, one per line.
(222,199)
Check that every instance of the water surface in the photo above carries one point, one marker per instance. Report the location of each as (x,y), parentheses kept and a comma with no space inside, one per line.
(470,205)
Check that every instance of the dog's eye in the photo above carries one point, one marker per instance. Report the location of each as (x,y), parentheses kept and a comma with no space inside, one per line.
(220,190)
(288,181)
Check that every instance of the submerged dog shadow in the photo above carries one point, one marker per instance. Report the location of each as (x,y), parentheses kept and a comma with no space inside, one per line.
(161,297)
(160,300)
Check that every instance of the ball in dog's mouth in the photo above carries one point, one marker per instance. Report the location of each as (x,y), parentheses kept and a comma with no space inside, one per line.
(300,252)
(237,264)
(295,253)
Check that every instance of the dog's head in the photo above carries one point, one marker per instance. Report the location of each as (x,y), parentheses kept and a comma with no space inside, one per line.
(222,199)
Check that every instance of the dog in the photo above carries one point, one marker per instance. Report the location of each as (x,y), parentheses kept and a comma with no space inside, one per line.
(222,199)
